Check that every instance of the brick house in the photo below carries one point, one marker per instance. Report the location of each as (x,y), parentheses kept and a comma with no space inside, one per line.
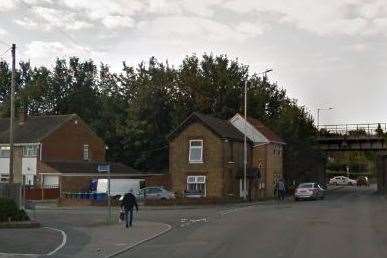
(267,153)
(206,158)
(58,151)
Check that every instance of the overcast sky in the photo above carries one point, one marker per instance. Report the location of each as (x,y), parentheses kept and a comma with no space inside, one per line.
(325,53)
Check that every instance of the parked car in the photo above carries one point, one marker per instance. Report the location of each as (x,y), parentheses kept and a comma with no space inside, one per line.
(342,180)
(155,193)
(312,191)
(362,180)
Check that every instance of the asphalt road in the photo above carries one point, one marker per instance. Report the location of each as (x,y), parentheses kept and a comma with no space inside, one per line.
(351,222)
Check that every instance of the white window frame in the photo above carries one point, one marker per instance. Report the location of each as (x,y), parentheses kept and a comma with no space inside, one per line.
(197,180)
(195,147)
(30,151)
(86,153)
(5,148)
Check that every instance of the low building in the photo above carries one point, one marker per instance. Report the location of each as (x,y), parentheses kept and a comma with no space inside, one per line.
(60,153)
(206,158)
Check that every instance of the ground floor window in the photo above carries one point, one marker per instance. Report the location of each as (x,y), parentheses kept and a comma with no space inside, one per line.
(196,186)
(4,178)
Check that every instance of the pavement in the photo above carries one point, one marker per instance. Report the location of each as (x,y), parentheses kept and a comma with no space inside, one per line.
(90,238)
(350,222)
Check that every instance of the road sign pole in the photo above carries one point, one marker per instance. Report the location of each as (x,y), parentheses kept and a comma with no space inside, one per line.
(109,201)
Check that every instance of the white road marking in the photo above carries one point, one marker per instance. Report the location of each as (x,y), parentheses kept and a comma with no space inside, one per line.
(236,209)
(64,240)
(140,242)
(14,254)
(187,222)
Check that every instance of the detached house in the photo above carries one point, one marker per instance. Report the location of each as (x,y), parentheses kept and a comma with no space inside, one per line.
(206,157)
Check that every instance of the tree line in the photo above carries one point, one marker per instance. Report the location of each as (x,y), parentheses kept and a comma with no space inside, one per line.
(134,109)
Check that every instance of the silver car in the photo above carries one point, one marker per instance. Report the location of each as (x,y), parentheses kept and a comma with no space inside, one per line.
(156,193)
(312,191)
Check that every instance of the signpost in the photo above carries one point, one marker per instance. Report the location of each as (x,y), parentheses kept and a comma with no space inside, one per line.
(106,169)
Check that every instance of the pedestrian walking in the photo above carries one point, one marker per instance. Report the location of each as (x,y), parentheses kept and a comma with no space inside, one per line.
(281,189)
(128,203)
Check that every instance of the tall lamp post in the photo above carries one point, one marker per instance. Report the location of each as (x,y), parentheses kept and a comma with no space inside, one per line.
(318,114)
(245,137)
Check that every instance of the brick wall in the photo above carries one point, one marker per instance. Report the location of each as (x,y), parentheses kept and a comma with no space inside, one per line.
(222,166)
(212,167)
(66,143)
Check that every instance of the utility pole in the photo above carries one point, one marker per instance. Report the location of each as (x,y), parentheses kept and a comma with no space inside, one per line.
(245,149)
(12,116)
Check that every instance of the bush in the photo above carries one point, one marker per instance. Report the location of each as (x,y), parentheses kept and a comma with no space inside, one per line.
(10,211)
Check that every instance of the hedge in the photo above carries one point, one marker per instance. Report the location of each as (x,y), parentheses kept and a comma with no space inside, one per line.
(10,212)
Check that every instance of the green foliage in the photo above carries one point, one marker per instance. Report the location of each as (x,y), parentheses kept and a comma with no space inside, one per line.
(9,211)
(135,109)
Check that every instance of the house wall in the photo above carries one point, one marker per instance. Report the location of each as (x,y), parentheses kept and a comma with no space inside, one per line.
(270,156)
(212,167)
(66,143)
(274,166)
(233,166)
(260,161)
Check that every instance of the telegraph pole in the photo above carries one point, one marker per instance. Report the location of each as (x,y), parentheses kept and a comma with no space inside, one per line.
(12,116)
(245,147)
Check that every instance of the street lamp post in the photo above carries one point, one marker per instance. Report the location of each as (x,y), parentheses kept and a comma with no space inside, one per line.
(245,136)
(318,114)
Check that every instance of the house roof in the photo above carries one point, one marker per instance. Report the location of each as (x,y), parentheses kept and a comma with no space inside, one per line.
(33,129)
(222,128)
(269,134)
(89,167)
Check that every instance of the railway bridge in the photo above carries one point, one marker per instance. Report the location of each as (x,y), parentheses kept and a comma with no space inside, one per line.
(358,137)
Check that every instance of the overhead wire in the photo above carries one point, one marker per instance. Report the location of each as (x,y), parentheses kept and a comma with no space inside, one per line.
(2,54)
(5,43)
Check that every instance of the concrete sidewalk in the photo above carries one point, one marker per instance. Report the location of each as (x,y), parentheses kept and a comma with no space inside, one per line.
(110,240)
(102,240)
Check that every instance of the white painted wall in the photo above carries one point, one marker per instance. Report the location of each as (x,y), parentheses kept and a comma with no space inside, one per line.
(253,134)
(4,165)
(29,166)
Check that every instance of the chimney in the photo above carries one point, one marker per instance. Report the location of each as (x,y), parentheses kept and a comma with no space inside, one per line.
(22,117)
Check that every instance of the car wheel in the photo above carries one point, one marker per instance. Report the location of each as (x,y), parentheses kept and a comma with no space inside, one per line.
(296,199)
(350,184)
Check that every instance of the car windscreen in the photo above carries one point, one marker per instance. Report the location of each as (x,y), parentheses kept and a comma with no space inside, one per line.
(309,185)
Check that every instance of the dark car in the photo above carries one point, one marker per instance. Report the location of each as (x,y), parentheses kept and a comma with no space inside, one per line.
(362,180)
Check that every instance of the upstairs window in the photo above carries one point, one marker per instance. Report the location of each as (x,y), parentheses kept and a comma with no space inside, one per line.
(196,151)
(30,151)
(86,152)
(4,152)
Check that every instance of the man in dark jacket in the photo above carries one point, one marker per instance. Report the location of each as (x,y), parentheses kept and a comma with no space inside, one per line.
(127,204)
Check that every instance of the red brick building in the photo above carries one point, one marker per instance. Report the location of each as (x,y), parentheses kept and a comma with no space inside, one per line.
(58,151)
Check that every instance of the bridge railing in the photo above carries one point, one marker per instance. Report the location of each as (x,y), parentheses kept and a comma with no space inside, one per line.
(353,129)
